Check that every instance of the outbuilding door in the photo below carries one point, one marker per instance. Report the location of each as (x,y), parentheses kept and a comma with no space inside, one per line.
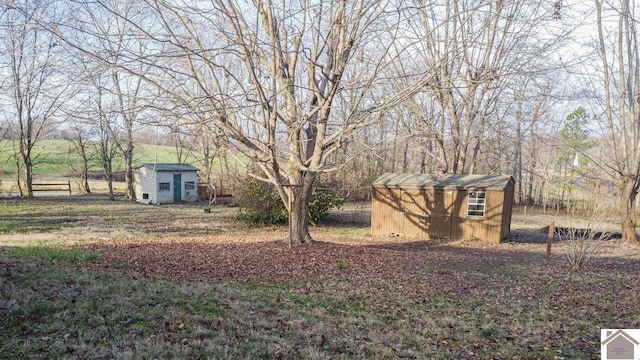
(177,187)
(427,213)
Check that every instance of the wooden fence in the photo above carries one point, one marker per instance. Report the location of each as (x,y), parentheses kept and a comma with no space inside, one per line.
(60,186)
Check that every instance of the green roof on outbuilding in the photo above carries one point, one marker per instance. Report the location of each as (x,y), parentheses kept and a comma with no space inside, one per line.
(169,166)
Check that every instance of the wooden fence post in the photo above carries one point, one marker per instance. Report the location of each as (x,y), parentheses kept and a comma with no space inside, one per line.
(552,228)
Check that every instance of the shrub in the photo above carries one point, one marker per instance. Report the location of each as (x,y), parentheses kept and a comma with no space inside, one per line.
(584,242)
(323,199)
(260,203)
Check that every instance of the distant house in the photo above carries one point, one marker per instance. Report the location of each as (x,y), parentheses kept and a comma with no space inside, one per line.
(442,206)
(166,183)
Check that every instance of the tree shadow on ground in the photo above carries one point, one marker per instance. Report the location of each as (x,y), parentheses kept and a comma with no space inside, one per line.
(540,235)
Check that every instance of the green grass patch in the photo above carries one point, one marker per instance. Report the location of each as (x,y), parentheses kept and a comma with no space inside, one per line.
(40,252)
(16,225)
(59,156)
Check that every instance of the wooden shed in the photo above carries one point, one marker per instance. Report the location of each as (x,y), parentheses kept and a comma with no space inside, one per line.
(161,183)
(443,206)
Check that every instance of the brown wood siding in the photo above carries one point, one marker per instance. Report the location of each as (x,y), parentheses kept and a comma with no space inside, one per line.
(411,212)
(412,207)
(509,193)
(487,228)
(439,213)
(425,213)
(385,219)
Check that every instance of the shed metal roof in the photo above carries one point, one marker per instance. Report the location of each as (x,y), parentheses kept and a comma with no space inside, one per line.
(169,166)
(444,181)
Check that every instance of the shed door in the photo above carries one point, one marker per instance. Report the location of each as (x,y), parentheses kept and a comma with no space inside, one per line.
(427,213)
(177,187)
(440,216)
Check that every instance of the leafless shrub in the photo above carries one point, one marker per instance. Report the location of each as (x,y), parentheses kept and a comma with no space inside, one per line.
(585,239)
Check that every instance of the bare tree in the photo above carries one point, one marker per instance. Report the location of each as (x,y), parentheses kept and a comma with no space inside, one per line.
(478,51)
(103,114)
(106,35)
(81,145)
(127,90)
(530,110)
(269,76)
(35,81)
(107,152)
(621,79)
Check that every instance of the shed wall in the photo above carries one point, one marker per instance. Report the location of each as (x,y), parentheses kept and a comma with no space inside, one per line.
(489,227)
(147,181)
(509,193)
(439,213)
(145,184)
(414,212)
(192,194)
(164,196)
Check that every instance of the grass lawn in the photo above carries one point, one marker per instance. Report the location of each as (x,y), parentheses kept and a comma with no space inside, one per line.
(59,157)
(90,278)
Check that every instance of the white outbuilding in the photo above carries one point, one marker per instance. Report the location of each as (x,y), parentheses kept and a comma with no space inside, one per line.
(166,183)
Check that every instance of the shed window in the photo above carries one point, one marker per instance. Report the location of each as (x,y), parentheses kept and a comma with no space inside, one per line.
(165,186)
(476,206)
(189,185)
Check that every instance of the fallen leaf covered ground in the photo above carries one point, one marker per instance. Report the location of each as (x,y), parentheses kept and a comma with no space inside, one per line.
(405,265)
(229,292)
(504,292)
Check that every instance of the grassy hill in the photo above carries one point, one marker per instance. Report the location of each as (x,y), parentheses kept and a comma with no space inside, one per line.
(60,157)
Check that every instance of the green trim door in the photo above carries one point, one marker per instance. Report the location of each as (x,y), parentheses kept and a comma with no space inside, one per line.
(177,187)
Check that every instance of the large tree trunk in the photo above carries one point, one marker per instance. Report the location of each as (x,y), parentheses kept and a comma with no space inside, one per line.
(112,196)
(85,181)
(299,221)
(26,145)
(16,158)
(107,157)
(108,172)
(128,172)
(299,209)
(85,167)
(628,195)
(28,176)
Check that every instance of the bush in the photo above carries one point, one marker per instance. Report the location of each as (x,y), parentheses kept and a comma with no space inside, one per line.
(260,203)
(583,244)
(584,241)
(323,199)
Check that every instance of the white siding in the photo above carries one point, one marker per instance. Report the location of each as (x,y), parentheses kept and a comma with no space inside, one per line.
(164,196)
(145,184)
(147,181)
(190,195)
